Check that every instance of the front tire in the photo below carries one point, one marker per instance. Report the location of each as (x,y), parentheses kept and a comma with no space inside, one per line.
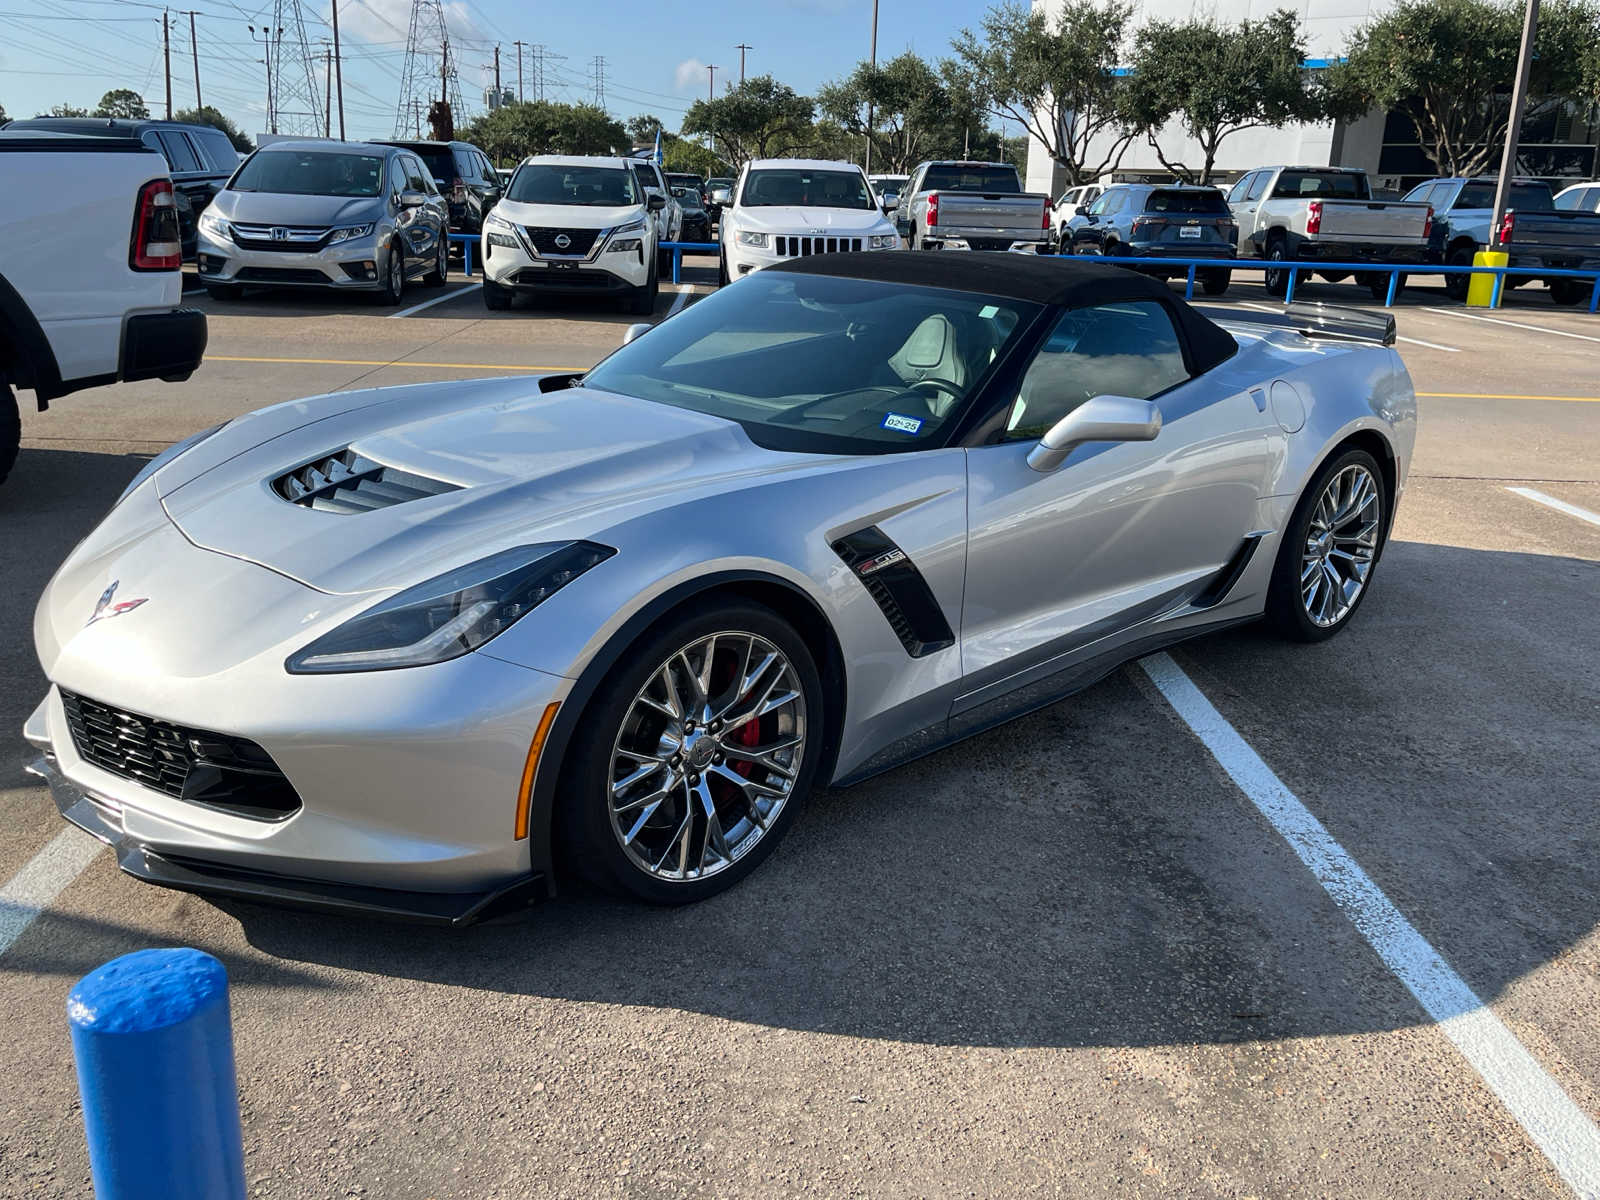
(1330,549)
(693,759)
(642,301)
(722,270)
(394,276)
(441,265)
(10,430)
(1276,280)
(495,297)
(223,291)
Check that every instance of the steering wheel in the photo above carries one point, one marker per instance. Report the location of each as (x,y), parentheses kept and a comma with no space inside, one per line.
(940,385)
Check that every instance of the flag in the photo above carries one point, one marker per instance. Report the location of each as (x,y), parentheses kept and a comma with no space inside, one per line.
(658,159)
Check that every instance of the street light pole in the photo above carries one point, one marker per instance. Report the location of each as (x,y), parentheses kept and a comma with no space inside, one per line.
(1519,100)
(741,48)
(711,88)
(338,68)
(874,67)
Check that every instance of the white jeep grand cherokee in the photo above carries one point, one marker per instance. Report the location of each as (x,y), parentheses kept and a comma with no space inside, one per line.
(791,207)
(572,226)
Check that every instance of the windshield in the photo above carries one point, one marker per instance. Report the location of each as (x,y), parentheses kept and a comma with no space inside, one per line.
(310,173)
(1208,201)
(794,186)
(808,362)
(972,177)
(1524,197)
(688,198)
(549,183)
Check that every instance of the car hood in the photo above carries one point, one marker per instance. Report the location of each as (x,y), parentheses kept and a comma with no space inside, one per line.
(517,464)
(801,220)
(277,208)
(567,216)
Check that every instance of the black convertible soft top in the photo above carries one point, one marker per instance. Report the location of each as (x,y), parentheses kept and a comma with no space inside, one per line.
(1040,279)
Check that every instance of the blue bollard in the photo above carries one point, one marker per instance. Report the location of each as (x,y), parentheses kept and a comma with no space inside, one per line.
(1188,286)
(154,1048)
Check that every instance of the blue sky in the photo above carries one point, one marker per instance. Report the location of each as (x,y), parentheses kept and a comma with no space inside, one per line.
(72,51)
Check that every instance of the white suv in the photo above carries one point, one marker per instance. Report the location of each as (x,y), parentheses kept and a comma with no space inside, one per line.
(793,207)
(572,226)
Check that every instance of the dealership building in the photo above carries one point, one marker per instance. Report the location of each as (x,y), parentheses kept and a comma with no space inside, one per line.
(1559,146)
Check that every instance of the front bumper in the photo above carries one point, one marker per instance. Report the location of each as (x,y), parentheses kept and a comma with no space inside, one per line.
(602,272)
(355,265)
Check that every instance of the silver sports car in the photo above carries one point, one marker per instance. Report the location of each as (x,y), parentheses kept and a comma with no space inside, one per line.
(420,650)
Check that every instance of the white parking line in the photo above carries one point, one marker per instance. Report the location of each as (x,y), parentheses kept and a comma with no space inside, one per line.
(1566,1135)
(1450,312)
(44,876)
(1572,510)
(440,299)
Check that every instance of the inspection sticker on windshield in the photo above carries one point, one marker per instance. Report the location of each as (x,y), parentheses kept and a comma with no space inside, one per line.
(902,424)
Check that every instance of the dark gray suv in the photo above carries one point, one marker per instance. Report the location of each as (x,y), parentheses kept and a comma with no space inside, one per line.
(1158,221)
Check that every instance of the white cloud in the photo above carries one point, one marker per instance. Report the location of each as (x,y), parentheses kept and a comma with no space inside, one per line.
(690,75)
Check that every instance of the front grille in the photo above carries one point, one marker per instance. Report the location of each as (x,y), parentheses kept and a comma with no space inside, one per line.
(539,277)
(579,241)
(345,482)
(297,238)
(280,275)
(799,247)
(213,769)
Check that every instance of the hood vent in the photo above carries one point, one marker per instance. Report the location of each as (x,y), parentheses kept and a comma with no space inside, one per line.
(348,483)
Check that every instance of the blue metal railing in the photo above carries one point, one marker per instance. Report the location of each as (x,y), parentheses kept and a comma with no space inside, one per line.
(468,240)
(1393,270)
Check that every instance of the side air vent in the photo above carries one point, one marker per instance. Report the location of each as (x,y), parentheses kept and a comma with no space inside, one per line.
(348,483)
(902,593)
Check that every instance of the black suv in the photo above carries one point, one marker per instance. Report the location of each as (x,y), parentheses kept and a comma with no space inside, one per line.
(1136,220)
(200,159)
(465,176)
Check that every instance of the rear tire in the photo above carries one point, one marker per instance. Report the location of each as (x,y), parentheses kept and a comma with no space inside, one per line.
(588,827)
(1378,285)
(10,430)
(495,297)
(1215,282)
(1455,286)
(1567,292)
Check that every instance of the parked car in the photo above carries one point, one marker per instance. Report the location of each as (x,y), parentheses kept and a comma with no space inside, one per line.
(199,158)
(787,208)
(574,226)
(1302,214)
(1137,220)
(971,206)
(687,179)
(343,215)
(505,174)
(888,188)
(416,651)
(1068,205)
(463,175)
(90,271)
(719,194)
(1534,231)
(1579,197)
(696,225)
(668,217)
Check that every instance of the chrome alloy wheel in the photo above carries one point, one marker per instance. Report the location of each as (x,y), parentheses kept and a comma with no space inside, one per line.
(1341,544)
(707,756)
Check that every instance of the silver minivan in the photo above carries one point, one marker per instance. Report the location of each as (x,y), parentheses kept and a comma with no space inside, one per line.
(342,215)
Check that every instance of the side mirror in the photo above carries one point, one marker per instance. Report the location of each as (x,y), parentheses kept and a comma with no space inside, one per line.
(1103,419)
(635,331)
(889,205)
(409,199)
(655,202)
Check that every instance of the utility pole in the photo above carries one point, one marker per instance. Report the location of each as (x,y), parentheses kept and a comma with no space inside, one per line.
(497,73)
(1519,100)
(519,46)
(194,49)
(870,113)
(327,88)
(338,68)
(266,45)
(741,48)
(166,54)
(711,91)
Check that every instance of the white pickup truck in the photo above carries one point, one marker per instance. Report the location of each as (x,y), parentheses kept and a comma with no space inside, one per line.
(90,272)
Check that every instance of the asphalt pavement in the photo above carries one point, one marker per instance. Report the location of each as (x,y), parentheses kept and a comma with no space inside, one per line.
(1077,955)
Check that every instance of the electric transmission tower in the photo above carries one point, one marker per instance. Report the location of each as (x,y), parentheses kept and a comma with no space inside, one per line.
(297,98)
(429,75)
(599,66)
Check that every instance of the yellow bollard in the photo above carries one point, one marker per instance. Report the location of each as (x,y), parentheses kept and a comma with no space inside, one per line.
(1480,288)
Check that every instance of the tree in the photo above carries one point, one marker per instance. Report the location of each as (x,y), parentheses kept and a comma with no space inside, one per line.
(1058,80)
(756,118)
(1449,65)
(123,102)
(644,127)
(910,108)
(66,110)
(514,131)
(3,117)
(1216,81)
(209,116)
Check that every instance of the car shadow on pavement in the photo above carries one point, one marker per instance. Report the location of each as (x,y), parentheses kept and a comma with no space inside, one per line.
(1088,876)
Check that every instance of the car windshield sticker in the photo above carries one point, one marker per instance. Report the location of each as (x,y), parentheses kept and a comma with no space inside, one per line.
(902,424)
(987,311)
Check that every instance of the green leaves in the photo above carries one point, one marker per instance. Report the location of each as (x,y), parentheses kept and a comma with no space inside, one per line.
(210,116)
(757,118)
(514,131)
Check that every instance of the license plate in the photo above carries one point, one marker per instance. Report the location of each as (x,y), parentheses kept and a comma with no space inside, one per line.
(1189,233)
(563,266)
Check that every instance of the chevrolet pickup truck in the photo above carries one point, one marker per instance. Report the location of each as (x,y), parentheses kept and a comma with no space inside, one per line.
(972,206)
(90,257)
(1533,231)
(1299,214)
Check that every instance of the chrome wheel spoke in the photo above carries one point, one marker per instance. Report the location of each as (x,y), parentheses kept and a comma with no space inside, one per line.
(1341,545)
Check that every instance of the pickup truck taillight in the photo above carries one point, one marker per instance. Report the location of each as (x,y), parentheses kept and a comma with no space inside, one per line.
(1427,224)
(933,209)
(1508,227)
(1314,217)
(1045,224)
(157,244)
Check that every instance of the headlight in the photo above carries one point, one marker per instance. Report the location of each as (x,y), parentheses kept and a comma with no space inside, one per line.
(166,456)
(622,244)
(495,220)
(215,225)
(630,227)
(449,615)
(349,232)
(504,240)
(753,239)
(884,241)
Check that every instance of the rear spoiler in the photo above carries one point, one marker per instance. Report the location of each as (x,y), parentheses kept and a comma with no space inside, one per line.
(1315,319)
